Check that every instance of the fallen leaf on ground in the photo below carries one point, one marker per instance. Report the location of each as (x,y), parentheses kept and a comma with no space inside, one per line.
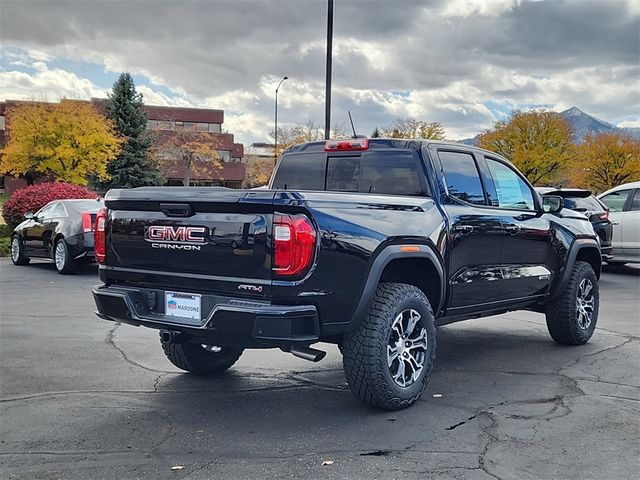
(437,395)
(177,467)
(327,462)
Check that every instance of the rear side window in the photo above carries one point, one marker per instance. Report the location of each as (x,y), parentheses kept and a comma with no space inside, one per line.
(392,173)
(635,203)
(462,177)
(301,172)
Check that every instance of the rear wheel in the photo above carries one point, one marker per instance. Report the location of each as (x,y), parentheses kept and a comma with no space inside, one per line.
(62,258)
(199,358)
(18,256)
(389,358)
(572,317)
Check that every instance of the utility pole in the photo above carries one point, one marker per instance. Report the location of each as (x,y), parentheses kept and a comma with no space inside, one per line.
(327,100)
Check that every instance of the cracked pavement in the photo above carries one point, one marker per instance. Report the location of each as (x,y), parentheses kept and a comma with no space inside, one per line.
(86,398)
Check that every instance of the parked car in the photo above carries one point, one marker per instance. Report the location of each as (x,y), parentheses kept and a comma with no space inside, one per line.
(623,202)
(583,201)
(61,231)
(364,243)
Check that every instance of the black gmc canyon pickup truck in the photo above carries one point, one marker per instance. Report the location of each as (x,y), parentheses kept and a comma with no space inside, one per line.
(365,243)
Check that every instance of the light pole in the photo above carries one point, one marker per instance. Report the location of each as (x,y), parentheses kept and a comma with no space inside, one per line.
(275,135)
(327,95)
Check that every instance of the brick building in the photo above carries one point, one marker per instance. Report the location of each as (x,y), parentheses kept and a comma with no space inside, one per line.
(169,124)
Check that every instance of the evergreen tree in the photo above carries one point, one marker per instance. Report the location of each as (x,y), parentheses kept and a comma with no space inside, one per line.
(376,133)
(134,166)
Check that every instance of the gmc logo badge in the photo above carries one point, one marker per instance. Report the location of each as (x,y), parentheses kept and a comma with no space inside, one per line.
(181,238)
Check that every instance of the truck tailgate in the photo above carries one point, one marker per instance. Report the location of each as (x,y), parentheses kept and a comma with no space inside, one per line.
(215,236)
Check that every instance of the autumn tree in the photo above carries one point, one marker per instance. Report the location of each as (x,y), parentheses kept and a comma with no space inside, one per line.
(604,161)
(538,142)
(69,141)
(134,166)
(258,172)
(413,128)
(188,153)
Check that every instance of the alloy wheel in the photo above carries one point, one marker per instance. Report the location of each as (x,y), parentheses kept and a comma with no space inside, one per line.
(407,348)
(585,301)
(15,249)
(60,255)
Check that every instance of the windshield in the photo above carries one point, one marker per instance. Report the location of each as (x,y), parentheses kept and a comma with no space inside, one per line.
(588,204)
(87,205)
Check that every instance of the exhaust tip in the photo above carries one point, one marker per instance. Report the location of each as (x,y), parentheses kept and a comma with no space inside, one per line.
(308,353)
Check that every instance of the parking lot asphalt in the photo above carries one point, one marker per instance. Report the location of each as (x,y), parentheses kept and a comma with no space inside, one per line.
(87,398)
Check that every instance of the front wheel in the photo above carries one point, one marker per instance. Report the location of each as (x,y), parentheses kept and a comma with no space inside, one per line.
(18,257)
(572,317)
(201,359)
(389,358)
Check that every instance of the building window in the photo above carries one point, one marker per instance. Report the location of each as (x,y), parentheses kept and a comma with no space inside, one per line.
(189,125)
(164,125)
(224,155)
(2,122)
(202,127)
(214,128)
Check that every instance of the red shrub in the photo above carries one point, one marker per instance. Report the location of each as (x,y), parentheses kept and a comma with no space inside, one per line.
(34,197)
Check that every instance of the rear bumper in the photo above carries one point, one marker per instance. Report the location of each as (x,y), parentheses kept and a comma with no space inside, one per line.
(227,321)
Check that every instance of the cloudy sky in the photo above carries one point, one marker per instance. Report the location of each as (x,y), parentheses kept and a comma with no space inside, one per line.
(464,63)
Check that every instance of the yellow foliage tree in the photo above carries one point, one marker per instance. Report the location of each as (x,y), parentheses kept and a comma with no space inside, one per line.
(604,161)
(258,172)
(537,142)
(190,154)
(70,141)
(413,128)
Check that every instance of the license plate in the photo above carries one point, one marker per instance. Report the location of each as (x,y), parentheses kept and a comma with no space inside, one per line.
(182,305)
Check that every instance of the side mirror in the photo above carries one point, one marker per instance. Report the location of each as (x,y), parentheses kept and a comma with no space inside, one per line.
(552,203)
(29,216)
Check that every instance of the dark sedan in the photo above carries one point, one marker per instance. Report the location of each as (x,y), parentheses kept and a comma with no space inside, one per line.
(61,231)
(598,213)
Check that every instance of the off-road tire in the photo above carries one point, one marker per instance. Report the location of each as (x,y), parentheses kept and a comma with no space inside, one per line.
(21,258)
(194,358)
(562,312)
(365,358)
(68,264)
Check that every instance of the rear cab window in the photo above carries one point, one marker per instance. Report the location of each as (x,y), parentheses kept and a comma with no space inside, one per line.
(386,172)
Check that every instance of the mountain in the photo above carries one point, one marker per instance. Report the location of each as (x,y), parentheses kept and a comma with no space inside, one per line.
(582,125)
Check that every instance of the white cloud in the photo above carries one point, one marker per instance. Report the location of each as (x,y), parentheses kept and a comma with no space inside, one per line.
(629,124)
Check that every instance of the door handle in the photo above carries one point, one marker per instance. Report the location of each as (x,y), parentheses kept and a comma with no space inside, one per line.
(512,229)
(463,229)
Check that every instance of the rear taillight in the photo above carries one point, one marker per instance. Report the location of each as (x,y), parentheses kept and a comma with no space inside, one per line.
(100,237)
(294,243)
(87,224)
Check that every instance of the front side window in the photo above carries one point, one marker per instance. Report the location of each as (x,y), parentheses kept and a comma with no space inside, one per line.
(58,211)
(462,177)
(45,213)
(511,190)
(616,200)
